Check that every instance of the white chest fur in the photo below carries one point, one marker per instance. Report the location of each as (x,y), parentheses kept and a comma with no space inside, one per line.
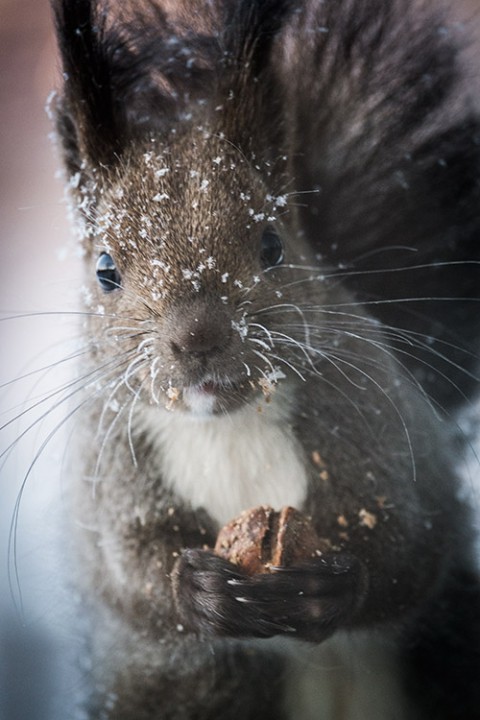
(227,464)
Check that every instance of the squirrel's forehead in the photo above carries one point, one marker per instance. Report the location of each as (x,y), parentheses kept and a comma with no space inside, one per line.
(170,232)
(195,211)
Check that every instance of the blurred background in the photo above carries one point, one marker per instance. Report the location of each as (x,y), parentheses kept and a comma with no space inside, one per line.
(40,676)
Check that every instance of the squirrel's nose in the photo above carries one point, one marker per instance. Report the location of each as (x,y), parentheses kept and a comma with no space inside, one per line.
(200,328)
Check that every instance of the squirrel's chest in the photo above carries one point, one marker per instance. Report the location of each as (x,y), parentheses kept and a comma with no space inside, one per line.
(231,463)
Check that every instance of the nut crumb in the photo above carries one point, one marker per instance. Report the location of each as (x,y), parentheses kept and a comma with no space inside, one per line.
(367,519)
(317,459)
(267,388)
(173,395)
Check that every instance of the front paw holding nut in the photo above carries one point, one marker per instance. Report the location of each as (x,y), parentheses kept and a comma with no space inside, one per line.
(212,596)
(283,580)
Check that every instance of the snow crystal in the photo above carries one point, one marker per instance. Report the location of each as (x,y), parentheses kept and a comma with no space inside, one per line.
(114,406)
(159,197)
(241,327)
(50,105)
(275,375)
(144,346)
(87,296)
(161,264)
(75,181)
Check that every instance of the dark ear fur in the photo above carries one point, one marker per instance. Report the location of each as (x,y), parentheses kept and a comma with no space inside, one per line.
(134,70)
(90,121)
(250,29)
(125,72)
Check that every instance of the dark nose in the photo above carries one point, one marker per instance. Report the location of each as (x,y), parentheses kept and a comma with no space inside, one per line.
(200,329)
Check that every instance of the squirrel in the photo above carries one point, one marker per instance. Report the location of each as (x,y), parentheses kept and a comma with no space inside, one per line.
(278,206)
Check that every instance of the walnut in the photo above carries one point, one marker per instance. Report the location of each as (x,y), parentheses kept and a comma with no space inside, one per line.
(261,538)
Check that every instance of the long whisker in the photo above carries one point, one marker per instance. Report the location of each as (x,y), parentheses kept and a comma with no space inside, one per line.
(45,368)
(290,365)
(395,408)
(109,431)
(78,386)
(346,272)
(265,359)
(130,418)
(13,576)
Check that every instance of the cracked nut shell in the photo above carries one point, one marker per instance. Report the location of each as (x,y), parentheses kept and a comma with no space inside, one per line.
(262,538)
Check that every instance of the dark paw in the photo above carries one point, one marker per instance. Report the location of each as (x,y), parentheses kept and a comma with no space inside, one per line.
(207,596)
(308,601)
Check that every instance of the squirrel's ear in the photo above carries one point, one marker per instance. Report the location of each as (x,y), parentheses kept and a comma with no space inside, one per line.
(250,80)
(127,69)
(130,70)
(90,117)
(250,29)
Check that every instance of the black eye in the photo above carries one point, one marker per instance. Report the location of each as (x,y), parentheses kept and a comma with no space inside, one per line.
(107,273)
(271,252)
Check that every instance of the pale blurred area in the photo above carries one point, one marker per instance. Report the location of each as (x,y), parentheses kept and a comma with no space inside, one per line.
(37,274)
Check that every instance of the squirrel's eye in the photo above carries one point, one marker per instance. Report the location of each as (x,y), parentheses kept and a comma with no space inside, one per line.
(107,274)
(271,252)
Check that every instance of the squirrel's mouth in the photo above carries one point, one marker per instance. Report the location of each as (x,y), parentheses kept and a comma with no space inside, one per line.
(207,388)
(202,398)
(210,397)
